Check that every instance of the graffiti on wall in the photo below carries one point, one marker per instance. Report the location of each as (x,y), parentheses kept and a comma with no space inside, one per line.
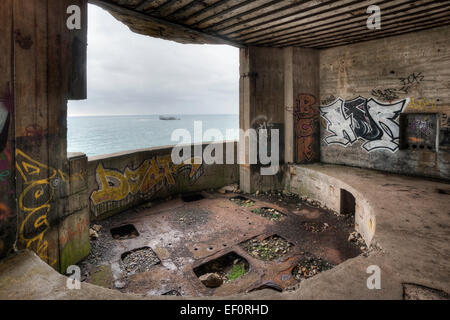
(422,105)
(363,119)
(420,131)
(149,178)
(75,233)
(35,202)
(406,83)
(306,116)
(6,109)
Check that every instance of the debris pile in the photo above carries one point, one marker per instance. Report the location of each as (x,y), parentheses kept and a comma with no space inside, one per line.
(270,248)
(309,266)
(231,188)
(139,260)
(315,226)
(269,213)
(242,201)
(93,231)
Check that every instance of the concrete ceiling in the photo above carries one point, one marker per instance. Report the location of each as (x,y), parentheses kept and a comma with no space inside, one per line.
(312,24)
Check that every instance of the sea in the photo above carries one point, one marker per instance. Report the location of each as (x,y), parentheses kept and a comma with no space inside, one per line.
(100,135)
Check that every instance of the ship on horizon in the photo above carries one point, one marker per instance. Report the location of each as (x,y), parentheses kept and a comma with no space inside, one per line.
(168,118)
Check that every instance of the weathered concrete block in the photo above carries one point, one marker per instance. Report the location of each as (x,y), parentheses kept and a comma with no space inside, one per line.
(74,239)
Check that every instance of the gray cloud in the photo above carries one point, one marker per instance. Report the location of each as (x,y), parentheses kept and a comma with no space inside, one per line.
(135,74)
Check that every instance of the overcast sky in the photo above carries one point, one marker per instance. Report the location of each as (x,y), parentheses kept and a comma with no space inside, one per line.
(130,73)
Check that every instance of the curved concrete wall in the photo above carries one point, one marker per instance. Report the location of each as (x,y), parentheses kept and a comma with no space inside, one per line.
(326,189)
(123,180)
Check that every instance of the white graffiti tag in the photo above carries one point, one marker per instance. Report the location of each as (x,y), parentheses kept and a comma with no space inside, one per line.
(368,120)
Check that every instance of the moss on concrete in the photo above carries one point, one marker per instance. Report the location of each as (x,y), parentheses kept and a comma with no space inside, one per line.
(73,253)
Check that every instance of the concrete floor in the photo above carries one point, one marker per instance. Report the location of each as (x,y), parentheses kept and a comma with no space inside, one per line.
(185,235)
(412,229)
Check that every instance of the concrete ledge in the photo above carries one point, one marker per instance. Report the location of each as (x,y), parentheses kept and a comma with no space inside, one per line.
(412,229)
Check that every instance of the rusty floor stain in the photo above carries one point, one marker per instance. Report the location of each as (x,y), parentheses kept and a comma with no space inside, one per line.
(185,235)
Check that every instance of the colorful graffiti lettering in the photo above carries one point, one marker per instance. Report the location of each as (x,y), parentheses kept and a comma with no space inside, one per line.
(368,120)
(147,179)
(73,177)
(306,116)
(422,104)
(421,126)
(68,234)
(35,202)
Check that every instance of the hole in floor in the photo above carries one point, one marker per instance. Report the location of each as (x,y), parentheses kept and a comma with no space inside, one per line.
(271,248)
(347,202)
(127,231)
(310,266)
(192,197)
(139,260)
(269,213)
(242,201)
(226,268)
(443,191)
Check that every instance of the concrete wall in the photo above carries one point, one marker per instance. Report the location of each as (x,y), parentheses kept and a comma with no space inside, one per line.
(402,75)
(261,105)
(123,180)
(279,89)
(309,181)
(41,67)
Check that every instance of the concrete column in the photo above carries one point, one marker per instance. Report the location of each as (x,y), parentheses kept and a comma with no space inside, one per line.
(302,118)
(279,89)
(261,106)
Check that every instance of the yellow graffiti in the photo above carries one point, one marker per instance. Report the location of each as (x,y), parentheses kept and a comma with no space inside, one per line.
(35,202)
(77,176)
(422,104)
(149,177)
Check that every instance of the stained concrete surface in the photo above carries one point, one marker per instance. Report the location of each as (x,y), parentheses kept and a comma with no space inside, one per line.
(185,235)
(412,230)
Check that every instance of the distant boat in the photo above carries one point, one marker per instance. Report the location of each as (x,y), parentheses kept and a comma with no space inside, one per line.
(168,118)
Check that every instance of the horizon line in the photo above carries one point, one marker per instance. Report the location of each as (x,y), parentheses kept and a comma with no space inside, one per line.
(162,114)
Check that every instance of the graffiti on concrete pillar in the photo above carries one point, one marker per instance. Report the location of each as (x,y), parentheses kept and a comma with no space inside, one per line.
(150,177)
(363,119)
(6,109)
(306,116)
(35,202)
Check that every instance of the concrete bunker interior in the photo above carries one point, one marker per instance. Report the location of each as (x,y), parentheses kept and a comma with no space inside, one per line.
(351,192)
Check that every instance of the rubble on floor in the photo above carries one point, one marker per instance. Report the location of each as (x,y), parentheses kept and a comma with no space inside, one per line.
(270,248)
(310,266)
